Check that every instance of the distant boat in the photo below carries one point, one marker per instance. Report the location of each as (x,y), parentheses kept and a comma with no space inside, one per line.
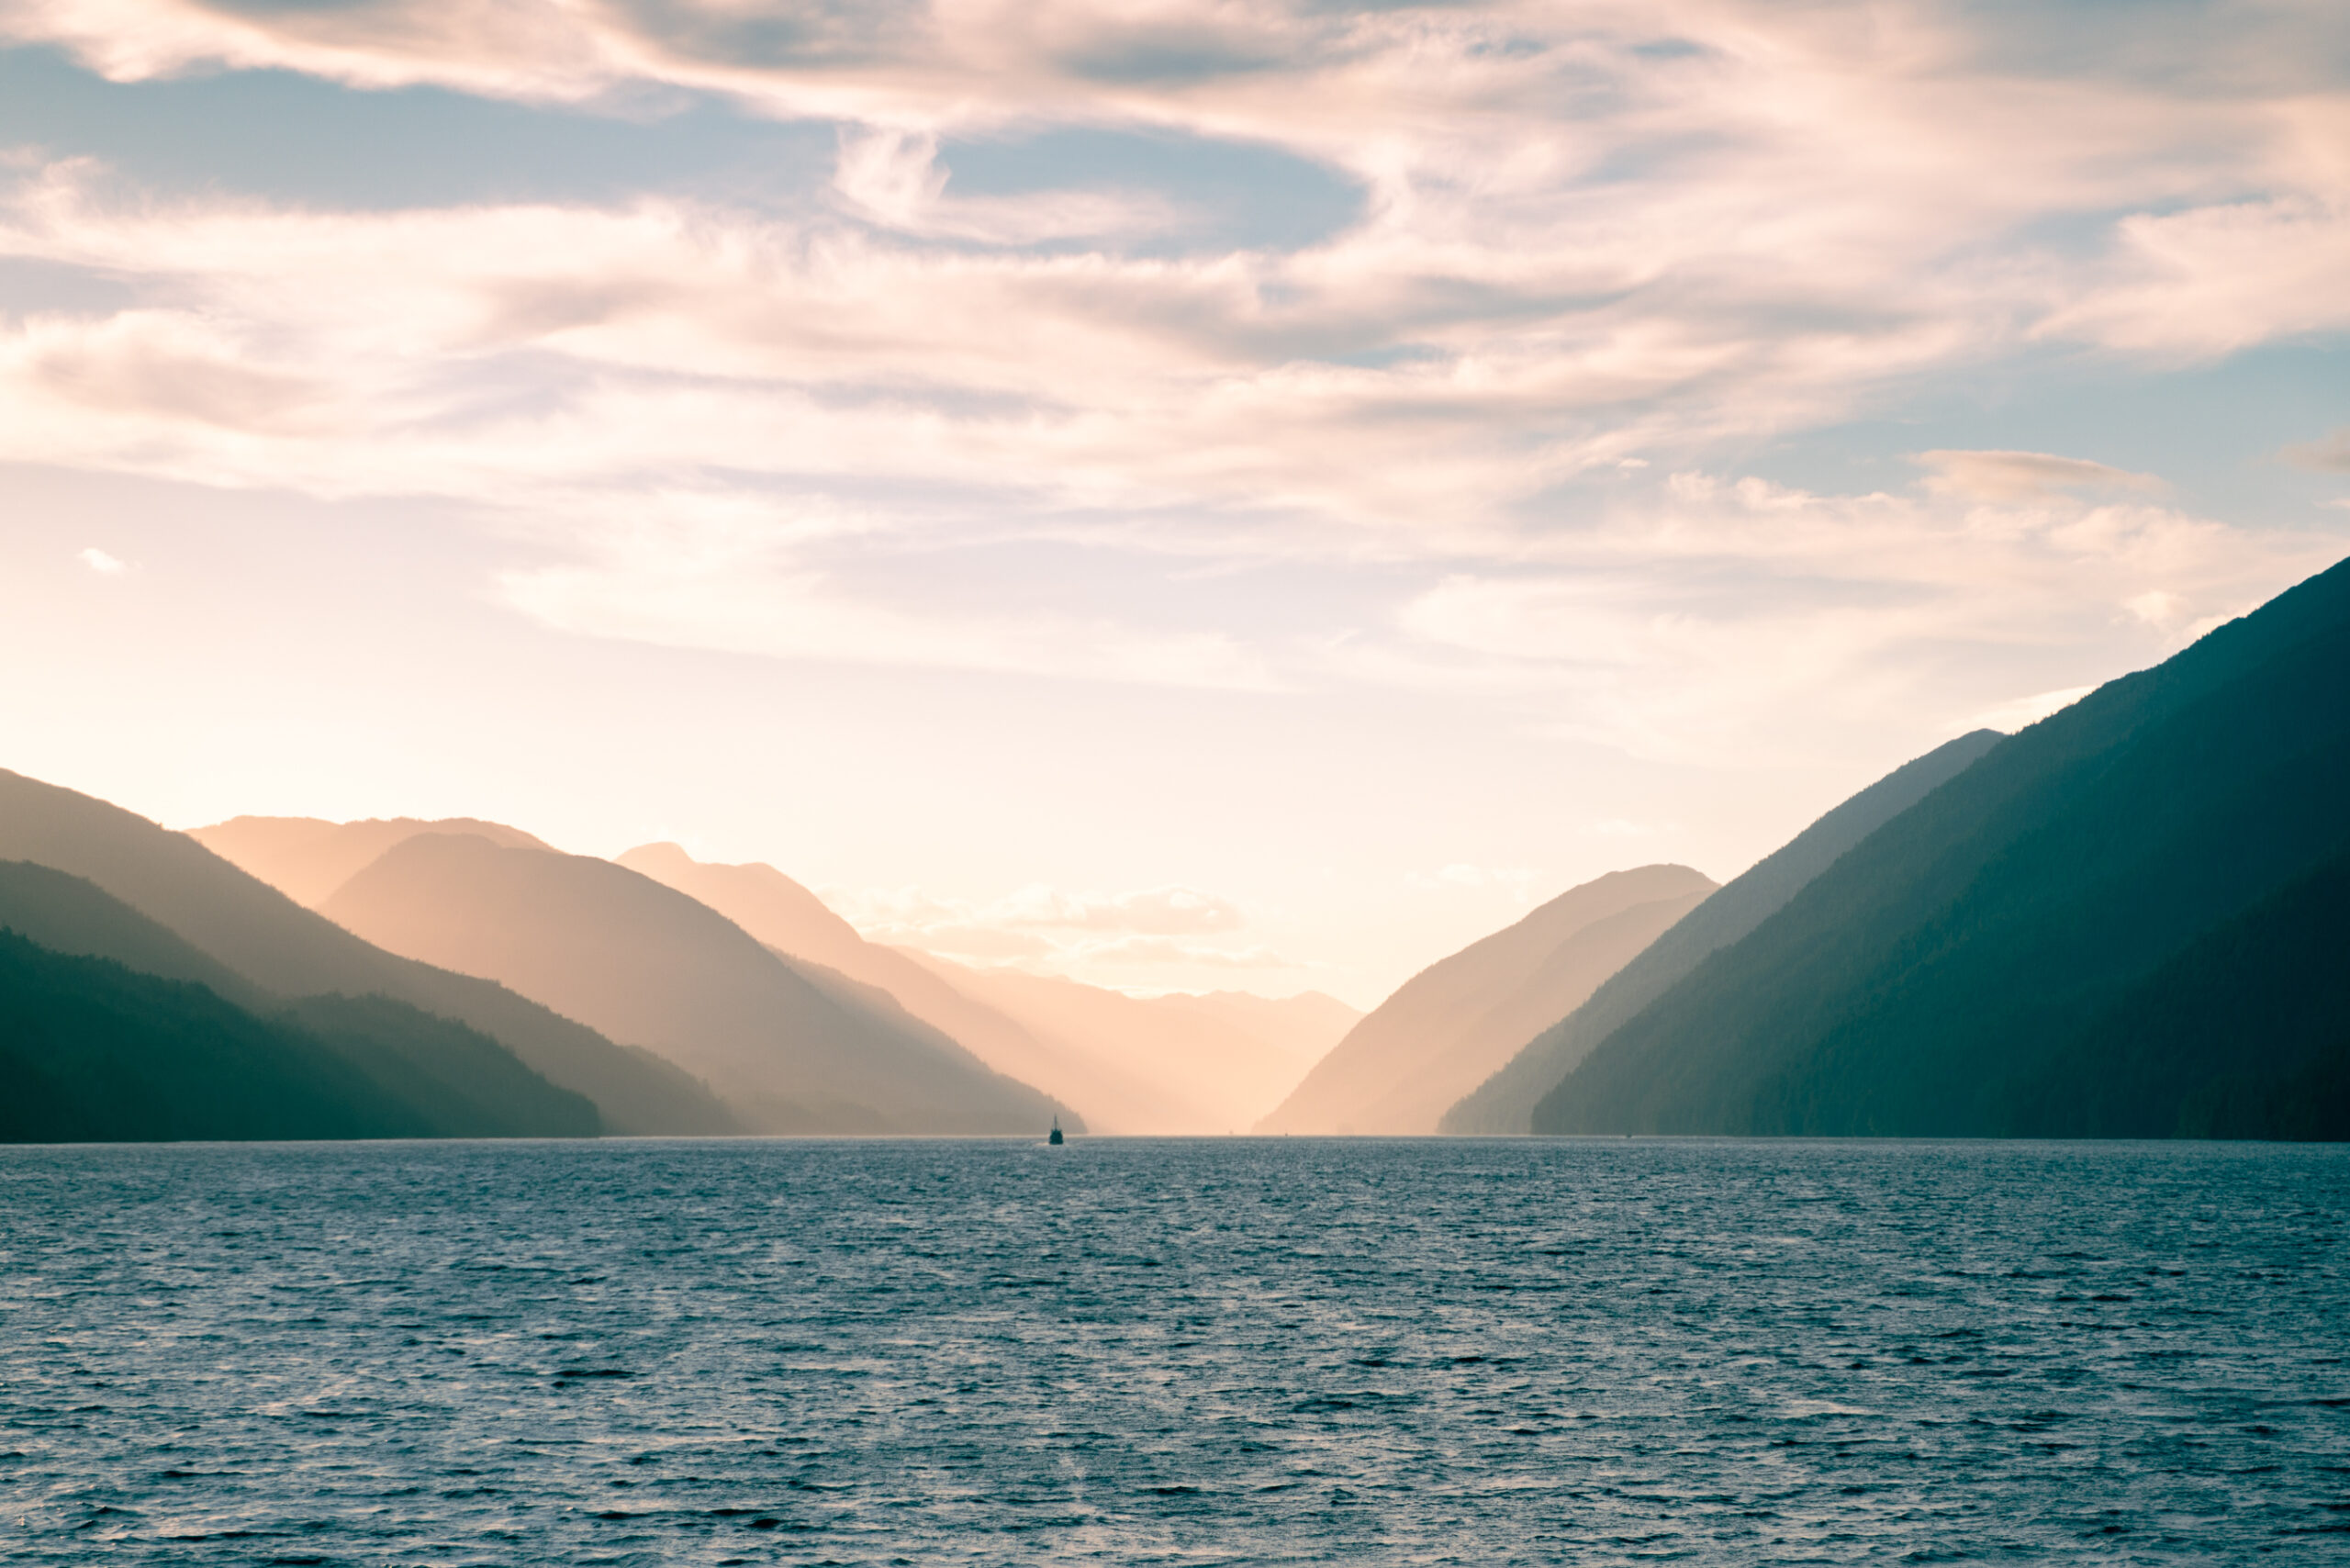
(1055,1137)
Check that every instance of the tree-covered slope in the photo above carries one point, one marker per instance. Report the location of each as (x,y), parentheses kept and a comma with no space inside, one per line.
(92,1051)
(1504,1102)
(239,922)
(1974,942)
(462,1083)
(449,1080)
(2246,1034)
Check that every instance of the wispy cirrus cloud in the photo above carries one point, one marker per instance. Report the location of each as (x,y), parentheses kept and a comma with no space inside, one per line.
(1590,236)
(2023,475)
(1695,620)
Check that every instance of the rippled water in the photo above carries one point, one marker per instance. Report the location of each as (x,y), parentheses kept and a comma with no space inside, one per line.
(1221,1351)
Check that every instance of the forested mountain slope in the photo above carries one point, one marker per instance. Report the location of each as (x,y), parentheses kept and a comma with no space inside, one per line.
(1968,961)
(266,938)
(1448,1028)
(1504,1102)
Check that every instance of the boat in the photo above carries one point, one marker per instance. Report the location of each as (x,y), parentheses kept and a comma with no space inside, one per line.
(1054,1137)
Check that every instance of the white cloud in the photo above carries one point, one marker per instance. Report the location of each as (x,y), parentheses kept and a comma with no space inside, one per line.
(2025,476)
(1695,626)
(98,561)
(1577,256)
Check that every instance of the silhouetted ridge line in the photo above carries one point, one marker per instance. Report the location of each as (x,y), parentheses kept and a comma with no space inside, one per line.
(92,1050)
(272,942)
(1974,950)
(794,1048)
(1451,1026)
(1504,1102)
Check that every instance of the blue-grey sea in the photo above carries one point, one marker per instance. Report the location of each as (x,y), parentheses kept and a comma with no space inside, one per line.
(1174,1351)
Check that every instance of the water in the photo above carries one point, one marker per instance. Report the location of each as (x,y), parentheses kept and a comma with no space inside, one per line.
(1244,1351)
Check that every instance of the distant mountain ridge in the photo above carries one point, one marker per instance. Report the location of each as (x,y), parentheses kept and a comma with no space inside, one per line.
(1504,1102)
(1165,1065)
(798,1050)
(112,1027)
(307,858)
(798,925)
(1169,1064)
(1451,1026)
(1979,951)
(273,942)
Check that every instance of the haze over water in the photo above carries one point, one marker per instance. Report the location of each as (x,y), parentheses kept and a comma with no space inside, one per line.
(1158,1352)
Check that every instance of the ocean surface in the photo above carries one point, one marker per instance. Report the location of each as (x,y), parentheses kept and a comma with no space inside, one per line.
(1174,1351)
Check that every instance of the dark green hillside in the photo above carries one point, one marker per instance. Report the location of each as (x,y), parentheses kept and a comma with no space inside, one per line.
(462,1083)
(2246,1034)
(70,915)
(92,1051)
(1504,1102)
(1973,944)
(269,940)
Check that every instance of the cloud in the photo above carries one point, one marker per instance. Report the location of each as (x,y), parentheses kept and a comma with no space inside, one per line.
(2024,475)
(1577,254)
(2206,282)
(2331,455)
(106,565)
(760,600)
(1695,623)
(1575,245)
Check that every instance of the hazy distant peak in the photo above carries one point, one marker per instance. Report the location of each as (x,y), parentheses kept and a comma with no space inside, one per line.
(308,858)
(758,898)
(1449,1027)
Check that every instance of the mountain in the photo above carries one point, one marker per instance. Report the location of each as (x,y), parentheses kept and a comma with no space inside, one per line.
(91,1051)
(2109,875)
(307,859)
(1504,1102)
(2181,1053)
(795,922)
(1170,1064)
(92,1048)
(72,915)
(1167,1065)
(1449,1027)
(796,1049)
(271,943)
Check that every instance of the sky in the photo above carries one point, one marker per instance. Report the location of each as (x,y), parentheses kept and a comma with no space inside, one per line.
(1190,496)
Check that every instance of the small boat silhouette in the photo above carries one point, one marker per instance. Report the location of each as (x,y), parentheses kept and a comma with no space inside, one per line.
(1055,1137)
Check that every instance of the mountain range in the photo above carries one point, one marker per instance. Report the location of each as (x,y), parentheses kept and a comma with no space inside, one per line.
(2112,923)
(1504,1102)
(2127,920)
(792,1047)
(281,949)
(114,1027)
(1170,1064)
(1452,1024)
